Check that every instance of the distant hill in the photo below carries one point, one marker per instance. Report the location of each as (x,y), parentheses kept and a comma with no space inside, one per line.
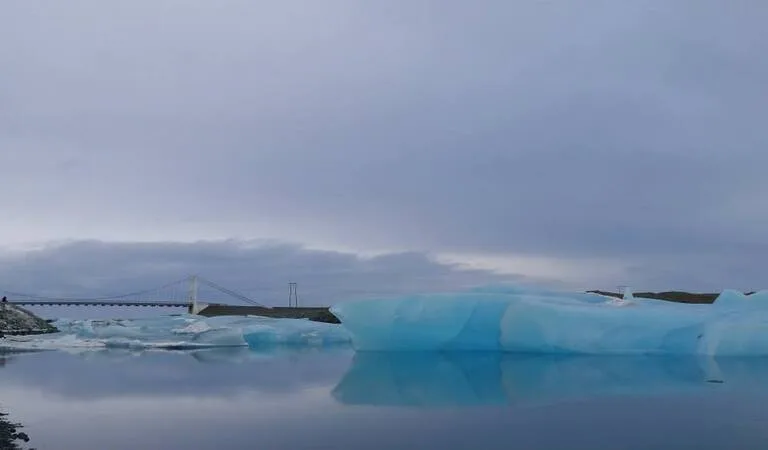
(672,296)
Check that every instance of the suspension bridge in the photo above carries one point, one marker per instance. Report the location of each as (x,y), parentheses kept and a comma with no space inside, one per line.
(197,294)
(182,293)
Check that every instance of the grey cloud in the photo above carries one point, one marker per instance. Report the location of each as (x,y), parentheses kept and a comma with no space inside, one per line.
(623,130)
(259,270)
(743,271)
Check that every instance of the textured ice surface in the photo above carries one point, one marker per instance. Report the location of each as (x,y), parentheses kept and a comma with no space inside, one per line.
(516,319)
(182,332)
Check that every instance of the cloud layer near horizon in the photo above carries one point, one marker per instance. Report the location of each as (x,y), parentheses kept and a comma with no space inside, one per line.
(259,270)
(627,134)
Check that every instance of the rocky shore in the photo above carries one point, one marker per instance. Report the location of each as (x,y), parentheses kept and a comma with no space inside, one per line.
(15,320)
(10,434)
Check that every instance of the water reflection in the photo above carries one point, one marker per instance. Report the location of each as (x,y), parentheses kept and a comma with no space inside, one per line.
(378,378)
(206,373)
(319,399)
(470,379)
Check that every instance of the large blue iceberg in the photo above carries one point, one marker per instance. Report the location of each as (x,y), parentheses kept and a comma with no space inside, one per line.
(525,320)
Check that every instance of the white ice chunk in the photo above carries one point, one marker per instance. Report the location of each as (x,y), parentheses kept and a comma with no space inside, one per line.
(183,332)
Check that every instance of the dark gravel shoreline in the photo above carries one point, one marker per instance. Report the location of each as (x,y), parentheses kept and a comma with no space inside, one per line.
(10,436)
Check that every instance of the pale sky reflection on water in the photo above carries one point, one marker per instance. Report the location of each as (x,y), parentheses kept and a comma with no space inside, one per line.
(238,398)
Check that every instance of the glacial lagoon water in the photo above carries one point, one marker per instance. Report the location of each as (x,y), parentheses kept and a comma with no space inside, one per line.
(186,382)
(239,398)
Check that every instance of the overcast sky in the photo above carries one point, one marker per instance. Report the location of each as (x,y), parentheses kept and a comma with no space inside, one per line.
(595,143)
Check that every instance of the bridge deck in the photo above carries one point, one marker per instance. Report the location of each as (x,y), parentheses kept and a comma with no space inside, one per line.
(97,303)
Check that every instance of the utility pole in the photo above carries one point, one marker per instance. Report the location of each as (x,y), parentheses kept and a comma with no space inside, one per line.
(293,296)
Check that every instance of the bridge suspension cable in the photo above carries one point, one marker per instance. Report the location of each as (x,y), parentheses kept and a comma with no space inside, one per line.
(152,292)
(108,297)
(229,292)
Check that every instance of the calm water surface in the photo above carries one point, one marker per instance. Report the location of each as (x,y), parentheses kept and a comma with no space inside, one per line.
(288,399)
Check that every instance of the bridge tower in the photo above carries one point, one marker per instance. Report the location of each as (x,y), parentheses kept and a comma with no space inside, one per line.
(293,296)
(195,306)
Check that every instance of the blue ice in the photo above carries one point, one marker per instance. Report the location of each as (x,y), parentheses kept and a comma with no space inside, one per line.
(516,319)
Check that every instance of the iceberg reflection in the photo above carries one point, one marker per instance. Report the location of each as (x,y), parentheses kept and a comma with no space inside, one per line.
(478,378)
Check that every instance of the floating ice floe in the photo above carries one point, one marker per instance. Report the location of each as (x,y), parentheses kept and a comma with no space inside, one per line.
(500,319)
(182,332)
(516,319)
